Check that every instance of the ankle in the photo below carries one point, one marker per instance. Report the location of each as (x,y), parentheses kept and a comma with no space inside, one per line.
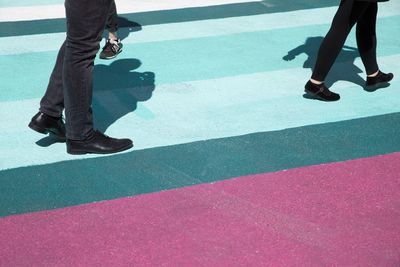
(316,82)
(113,35)
(113,41)
(374,74)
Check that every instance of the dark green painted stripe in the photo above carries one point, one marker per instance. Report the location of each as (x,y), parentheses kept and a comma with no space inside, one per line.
(76,182)
(171,16)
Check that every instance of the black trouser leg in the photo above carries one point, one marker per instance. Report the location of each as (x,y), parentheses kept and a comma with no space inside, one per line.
(347,15)
(112,18)
(52,102)
(366,38)
(86,20)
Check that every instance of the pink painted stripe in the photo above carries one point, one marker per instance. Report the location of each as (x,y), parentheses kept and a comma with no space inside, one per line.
(342,214)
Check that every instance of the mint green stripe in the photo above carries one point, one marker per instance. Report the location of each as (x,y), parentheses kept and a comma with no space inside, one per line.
(194,111)
(192,59)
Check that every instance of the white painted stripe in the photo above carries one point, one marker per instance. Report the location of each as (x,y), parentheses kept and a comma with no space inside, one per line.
(188,30)
(123,7)
(201,110)
(11,3)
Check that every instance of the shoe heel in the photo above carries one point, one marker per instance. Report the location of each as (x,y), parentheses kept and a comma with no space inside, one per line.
(37,129)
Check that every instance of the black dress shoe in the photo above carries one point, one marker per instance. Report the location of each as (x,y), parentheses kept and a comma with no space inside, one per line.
(98,143)
(381,80)
(45,124)
(321,92)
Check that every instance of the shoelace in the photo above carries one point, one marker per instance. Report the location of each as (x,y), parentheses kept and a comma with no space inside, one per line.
(114,44)
(115,48)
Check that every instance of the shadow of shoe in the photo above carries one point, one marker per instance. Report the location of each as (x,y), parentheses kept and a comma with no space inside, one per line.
(50,140)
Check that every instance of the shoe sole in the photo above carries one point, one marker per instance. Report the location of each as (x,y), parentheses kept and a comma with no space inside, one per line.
(314,96)
(44,131)
(372,88)
(37,129)
(112,56)
(83,152)
(381,85)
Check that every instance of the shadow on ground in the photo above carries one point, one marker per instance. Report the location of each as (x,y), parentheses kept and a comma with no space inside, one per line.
(125,27)
(346,71)
(117,90)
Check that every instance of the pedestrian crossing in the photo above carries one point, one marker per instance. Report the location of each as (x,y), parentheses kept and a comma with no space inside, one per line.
(206,93)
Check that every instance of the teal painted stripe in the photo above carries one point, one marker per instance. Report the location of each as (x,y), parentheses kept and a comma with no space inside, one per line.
(195,29)
(83,181)
(178,31)
(171,16)
(195,59)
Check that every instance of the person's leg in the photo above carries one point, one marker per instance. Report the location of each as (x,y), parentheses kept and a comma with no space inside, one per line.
(86,20)
(49,118)
(347,15)
(112,22)
(85,24)
(113,35)
(366,42)
(52,102)
(366,38)
(113,45)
